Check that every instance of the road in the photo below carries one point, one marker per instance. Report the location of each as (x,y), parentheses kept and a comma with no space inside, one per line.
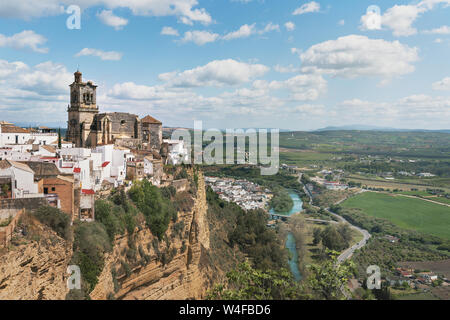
(347,254)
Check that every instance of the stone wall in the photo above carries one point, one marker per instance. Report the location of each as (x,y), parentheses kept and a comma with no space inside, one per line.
(6,232)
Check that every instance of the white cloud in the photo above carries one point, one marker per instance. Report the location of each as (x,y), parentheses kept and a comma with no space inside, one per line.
(169,31)
(302,87)
(290,26)
(246,31)
(104,55)
(441,30)
(43,79)
(269,27)
(352,56)
(243,32)
(286,69)
(25,39)
(108,18)
(216,73)
(185,10)
(444,84)
(200,37)
(307,8)
(400,18)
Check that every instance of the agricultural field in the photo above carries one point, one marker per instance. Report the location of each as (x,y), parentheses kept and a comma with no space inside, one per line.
(421,185)
(303,158)
(408,213)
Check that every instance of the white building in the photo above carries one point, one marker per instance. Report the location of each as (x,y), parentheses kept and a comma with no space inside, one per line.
(21,177)
(10,134)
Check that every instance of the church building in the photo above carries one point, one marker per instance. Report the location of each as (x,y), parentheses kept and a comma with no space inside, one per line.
(87,128)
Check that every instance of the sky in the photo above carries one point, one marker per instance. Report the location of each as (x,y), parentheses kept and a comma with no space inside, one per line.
(299,65)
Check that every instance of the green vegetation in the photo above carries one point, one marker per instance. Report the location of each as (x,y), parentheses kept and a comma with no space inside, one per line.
(326,280)
(6,222)
(157,210)
(57,220)
(246,283)
(115,218)
(281,201)
(91,242)
(248,231)
(408,213)
(336,238)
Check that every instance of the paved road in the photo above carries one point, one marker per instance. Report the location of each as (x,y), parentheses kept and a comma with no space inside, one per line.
(366,235)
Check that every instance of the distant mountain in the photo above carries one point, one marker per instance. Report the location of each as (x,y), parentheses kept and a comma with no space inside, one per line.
(375,128)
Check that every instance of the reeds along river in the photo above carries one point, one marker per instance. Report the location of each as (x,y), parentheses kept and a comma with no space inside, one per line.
(290,241)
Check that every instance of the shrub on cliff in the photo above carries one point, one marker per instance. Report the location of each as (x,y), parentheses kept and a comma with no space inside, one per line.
(91,242)
(157,210)
(56,219)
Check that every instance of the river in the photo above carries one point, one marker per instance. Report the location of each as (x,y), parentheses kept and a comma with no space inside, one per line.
(290,241)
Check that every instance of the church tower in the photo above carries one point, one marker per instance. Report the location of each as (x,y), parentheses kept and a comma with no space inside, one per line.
(81,111)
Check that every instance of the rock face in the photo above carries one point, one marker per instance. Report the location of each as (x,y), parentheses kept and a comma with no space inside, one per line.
(185,276)
(36,270)
(177,268)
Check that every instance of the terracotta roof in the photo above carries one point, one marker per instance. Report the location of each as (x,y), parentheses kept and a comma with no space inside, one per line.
(104,164)
(5,164)
(88,191)
(149,119)
(49,148)
(42,169)
(14,129)
(77,170)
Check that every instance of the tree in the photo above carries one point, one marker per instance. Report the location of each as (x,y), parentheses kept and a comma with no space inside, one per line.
(59,138)
(246,283)
(328,281)
(317,236)
(332,239)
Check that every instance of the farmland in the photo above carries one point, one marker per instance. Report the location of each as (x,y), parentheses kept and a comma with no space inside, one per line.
(408,213)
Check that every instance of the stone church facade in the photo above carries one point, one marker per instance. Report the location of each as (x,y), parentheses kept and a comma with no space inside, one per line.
(87,128)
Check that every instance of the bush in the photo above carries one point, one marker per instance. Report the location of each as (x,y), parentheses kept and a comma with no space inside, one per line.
(57,220)
(157,210)
(91,242)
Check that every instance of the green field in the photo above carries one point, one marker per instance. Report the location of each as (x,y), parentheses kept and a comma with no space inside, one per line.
(304,158)
(409,213)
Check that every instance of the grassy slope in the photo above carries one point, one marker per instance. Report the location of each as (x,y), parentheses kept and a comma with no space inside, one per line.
(408,213)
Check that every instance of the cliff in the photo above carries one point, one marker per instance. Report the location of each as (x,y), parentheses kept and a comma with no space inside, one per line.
(34,266)
(139,267)
(186,274)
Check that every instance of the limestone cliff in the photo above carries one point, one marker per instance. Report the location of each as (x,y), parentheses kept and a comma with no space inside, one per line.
(185,276)
(177,267)
(35,267)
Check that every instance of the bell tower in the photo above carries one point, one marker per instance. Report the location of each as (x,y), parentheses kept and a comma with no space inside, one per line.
(81,111)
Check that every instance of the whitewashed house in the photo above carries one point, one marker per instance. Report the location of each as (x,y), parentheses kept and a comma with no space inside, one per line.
(21,177)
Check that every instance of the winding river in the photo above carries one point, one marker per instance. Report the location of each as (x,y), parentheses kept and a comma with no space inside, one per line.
(290,241)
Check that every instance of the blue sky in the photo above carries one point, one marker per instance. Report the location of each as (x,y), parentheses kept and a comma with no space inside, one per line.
(289,64)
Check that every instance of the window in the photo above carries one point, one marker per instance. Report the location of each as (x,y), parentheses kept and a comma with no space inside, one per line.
(45,190)
(122,122)
(53,189)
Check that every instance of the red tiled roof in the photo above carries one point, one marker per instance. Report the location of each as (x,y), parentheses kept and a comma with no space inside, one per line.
(105,164)
(88,191)
(149,119)
(77,170)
